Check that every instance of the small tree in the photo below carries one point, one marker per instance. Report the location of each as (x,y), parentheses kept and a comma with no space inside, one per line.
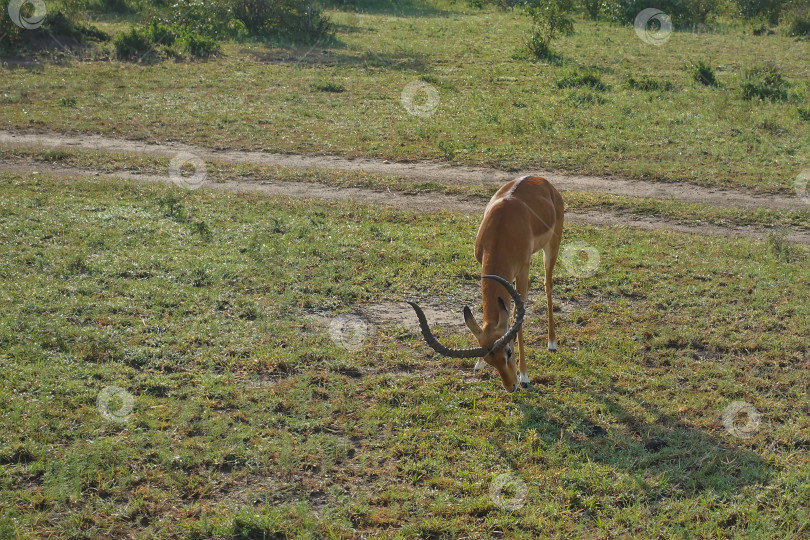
(550,17)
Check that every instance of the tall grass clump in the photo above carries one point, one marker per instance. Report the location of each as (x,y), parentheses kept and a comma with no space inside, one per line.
(702,72)
(764,82)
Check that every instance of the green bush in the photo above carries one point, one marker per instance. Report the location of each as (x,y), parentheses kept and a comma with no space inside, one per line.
(298,20)
(682,12)
(797,21)
(702,72)
(769,9)
(550,18)
(199,46)
(133,45)
(204,17)
(115,6)
(156,39)
(11,32)
(764,82)
(804,113)
(160,34)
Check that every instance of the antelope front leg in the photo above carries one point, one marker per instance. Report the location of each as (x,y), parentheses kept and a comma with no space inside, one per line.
(522,286)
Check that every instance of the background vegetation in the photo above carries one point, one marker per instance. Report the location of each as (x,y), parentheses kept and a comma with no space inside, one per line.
(722,107)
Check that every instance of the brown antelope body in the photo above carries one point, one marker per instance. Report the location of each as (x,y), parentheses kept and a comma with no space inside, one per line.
(523,217)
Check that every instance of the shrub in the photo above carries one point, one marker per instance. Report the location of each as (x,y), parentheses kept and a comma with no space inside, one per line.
(769,9)
(154,40)
(115,6)
(760,28)
(297,20)
(580,79)
(591,8)
(10,31)
(204,17)
(649,84)
(702,72)
(764,83)
(804,113)
(683,12)
(797,21)
(133,45)
(199,46)
(291,19)
(550,18)
(160,34)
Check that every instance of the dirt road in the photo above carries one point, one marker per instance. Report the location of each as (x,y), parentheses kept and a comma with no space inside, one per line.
(424,171)
(423,202)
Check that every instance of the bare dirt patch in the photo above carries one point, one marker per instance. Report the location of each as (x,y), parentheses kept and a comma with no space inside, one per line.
(447,314)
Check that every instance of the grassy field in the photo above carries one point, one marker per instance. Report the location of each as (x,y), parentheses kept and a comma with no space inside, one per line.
(249,421)
(492,105)
(185,364)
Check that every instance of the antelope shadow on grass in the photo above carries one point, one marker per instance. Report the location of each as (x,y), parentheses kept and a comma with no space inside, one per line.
(691,459)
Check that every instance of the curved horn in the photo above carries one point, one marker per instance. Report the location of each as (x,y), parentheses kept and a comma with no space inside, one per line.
(438,347)
(521,311)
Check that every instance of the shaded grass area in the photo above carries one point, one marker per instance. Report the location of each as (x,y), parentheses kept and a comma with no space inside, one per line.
(111,162)
(494,107)
(249,420)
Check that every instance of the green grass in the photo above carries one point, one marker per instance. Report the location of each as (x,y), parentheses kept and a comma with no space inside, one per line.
(495,107)
(249,421)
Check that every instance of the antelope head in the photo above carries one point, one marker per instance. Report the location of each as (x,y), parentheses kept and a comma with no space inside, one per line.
(495,338)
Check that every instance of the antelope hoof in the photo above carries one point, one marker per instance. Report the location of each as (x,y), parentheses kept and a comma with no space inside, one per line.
(479,366)
(524,381)
(552,346)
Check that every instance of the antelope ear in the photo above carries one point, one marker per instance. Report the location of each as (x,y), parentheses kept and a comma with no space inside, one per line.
(470,320)
(503,320)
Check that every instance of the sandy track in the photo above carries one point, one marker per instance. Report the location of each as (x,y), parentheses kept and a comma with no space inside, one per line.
(422,202)
(424,171)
